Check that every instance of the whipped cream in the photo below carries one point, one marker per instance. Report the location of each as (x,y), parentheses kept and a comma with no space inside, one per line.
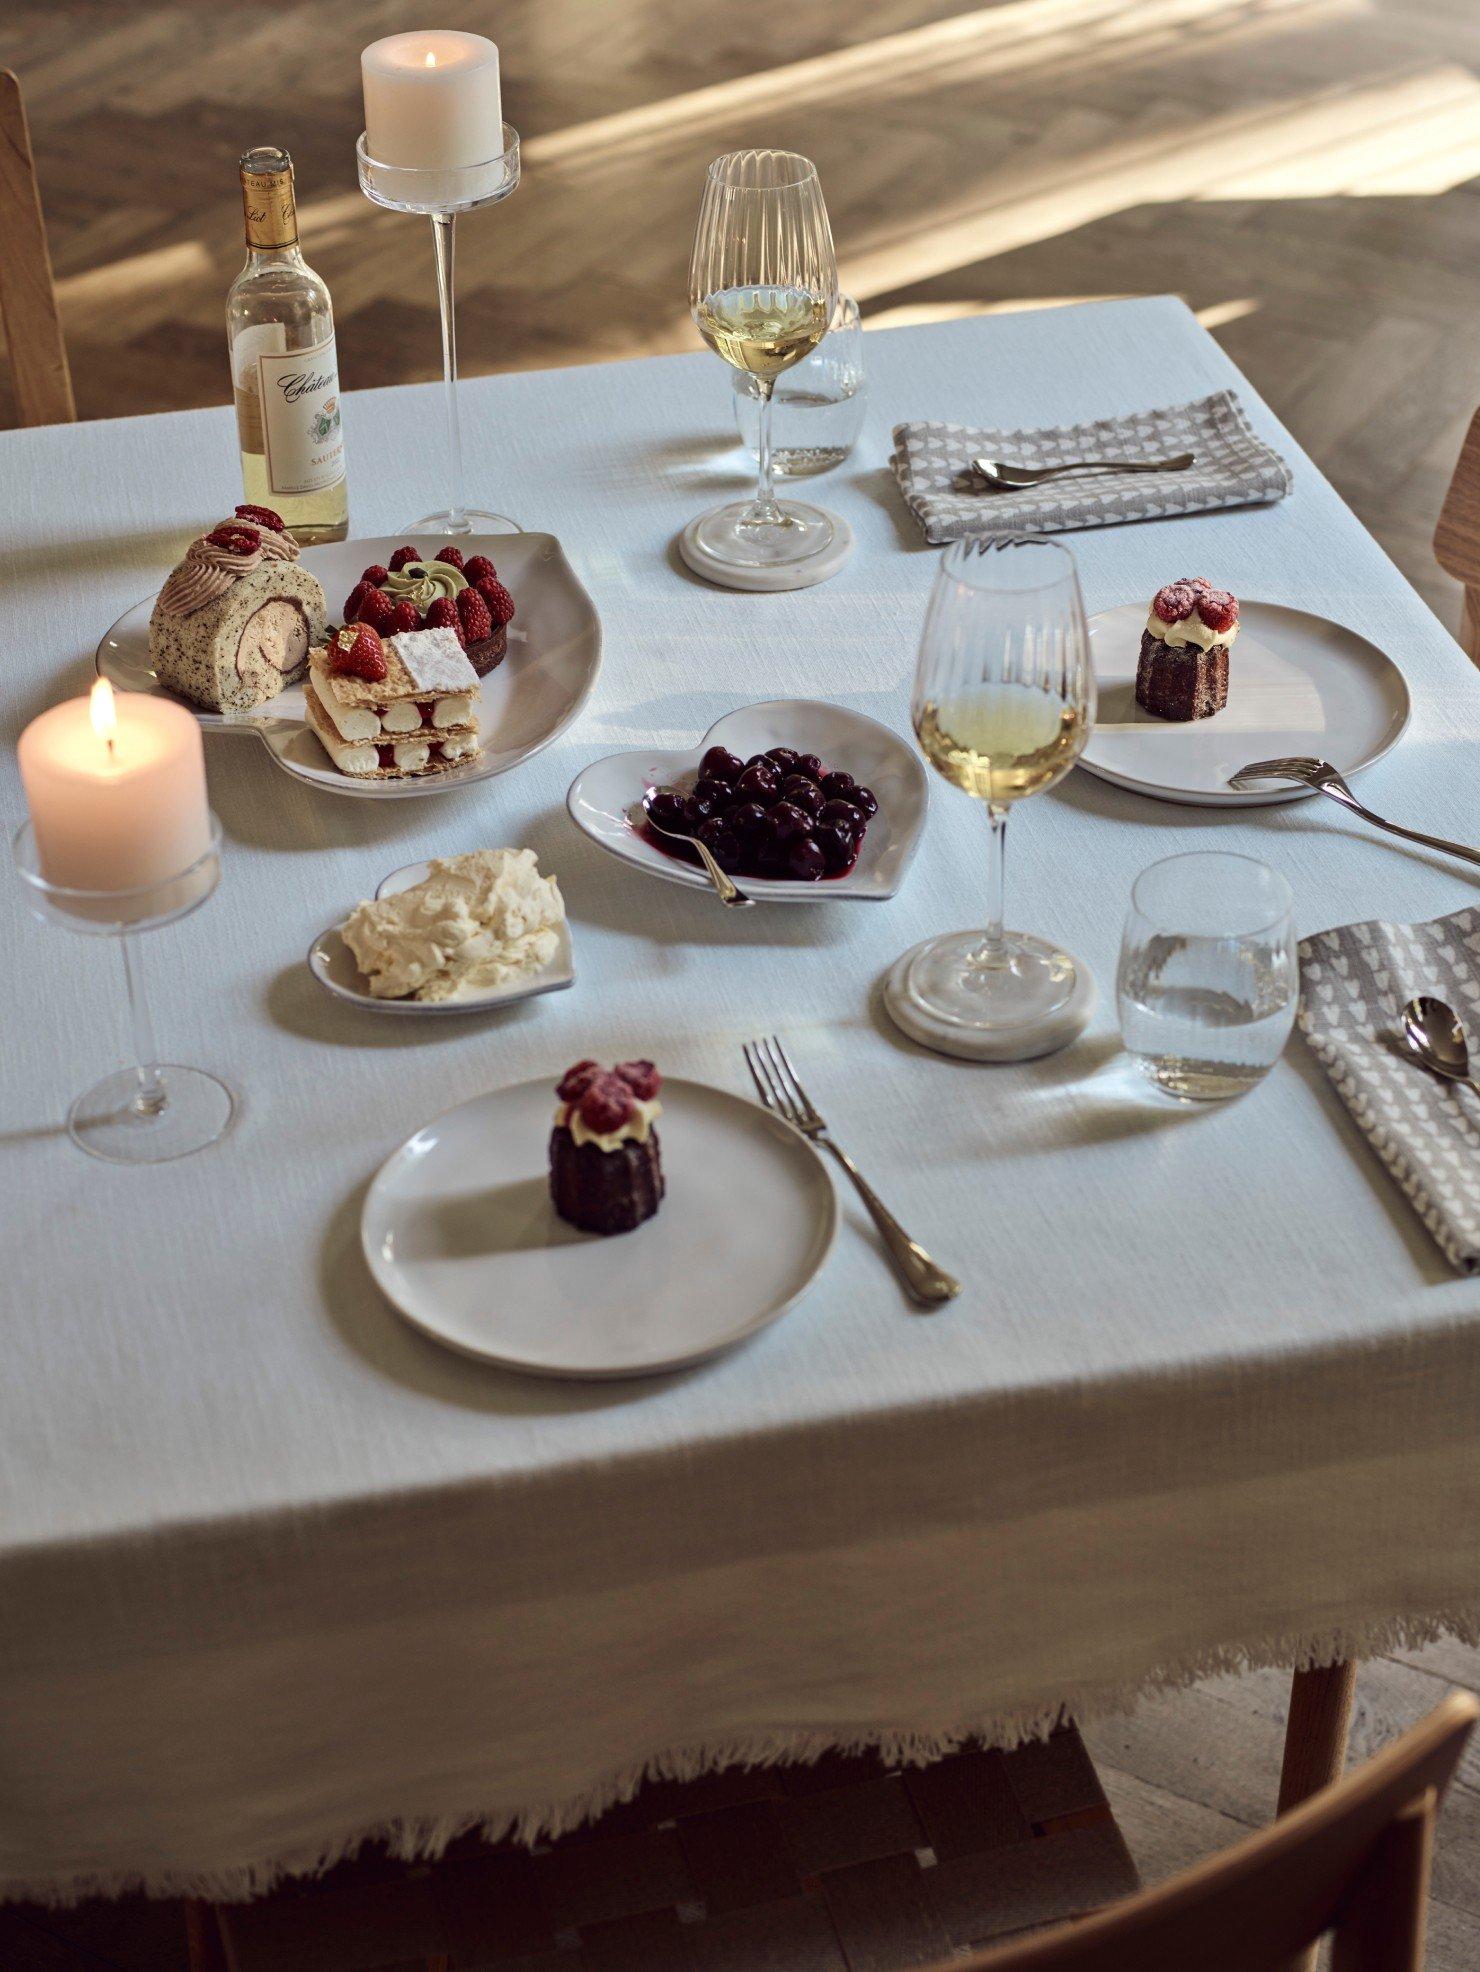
(367,722)
(1191,630)
(636,1129)
(473,923)
(210,571)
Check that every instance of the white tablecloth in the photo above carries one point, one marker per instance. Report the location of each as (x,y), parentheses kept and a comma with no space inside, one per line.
(274,1571)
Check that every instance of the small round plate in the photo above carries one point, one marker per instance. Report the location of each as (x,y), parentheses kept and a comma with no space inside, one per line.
(524,703)
(333,966)
(770,578)
(603,796)
(461,1237)
(1297,683)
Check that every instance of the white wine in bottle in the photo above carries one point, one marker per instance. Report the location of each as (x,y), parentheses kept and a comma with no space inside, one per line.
(280,331)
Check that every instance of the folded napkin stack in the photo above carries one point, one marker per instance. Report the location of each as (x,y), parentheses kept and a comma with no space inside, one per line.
(1354,983)
(1232,468)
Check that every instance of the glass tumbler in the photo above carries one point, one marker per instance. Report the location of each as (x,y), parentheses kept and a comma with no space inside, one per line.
(1208,980)
(817,408)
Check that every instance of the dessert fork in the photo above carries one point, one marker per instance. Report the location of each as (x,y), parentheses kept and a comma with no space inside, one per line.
(1323,777)
(999,475)
(780,1092)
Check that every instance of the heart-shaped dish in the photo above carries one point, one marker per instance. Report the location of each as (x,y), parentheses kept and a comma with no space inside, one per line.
(604,795)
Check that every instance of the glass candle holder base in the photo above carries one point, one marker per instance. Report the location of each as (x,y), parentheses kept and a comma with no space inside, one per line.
(126,1119)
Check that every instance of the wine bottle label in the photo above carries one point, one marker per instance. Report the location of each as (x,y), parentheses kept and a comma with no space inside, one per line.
(299,393)
(269,208)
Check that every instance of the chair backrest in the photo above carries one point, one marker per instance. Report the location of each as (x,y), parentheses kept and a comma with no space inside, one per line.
(1457,536)
(1352,1860)
(28,302)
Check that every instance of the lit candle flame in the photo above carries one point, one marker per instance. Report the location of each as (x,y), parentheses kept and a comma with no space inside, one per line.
(103,712)
(431,58)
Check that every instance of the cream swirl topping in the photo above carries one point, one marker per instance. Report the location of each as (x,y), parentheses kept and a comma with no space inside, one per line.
(210,571)
(422,582)
(1191,630)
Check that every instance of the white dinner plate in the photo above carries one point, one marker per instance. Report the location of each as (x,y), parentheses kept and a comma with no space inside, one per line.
(460,1235)
(1297,683)
(333,966)
(528,700)
(602,797)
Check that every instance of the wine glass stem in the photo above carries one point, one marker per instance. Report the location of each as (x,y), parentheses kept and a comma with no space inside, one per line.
(765,512)
(152,1095)
(992,951)
(443,237)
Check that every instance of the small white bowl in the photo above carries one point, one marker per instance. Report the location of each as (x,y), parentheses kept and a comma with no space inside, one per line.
(602,796)
(332,965)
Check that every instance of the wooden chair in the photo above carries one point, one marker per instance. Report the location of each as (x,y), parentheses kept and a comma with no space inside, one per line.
(1457,537)
(28,301)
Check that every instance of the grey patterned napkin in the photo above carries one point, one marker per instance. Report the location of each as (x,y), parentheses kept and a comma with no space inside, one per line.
(1233,469)
(1353,984)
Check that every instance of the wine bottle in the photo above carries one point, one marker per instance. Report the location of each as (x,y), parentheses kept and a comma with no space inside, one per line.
(285,375)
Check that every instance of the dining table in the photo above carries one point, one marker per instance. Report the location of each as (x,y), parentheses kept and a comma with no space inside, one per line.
(278,1573)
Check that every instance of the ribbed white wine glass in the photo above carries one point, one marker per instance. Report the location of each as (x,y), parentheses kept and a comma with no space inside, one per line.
(763,284)
(1003,703)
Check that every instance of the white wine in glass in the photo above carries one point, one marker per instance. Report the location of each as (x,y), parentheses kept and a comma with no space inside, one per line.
(1003,705)
(763,284)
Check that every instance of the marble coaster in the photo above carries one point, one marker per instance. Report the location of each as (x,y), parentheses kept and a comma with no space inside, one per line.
(784,575)
(1046,1036)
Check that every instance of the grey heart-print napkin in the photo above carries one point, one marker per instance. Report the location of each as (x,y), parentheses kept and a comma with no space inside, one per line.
(1233,468)
(1354,982)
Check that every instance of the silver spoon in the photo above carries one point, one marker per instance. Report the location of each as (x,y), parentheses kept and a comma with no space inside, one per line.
(1000,475)
(728,893)
(1433,1036)
(1323,777)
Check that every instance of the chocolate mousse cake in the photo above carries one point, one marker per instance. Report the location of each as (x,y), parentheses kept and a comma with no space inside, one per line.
(445,593)
(236,619)
(606,1170)
(1182,672)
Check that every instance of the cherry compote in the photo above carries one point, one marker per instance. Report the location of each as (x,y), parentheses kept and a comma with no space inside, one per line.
(777,814)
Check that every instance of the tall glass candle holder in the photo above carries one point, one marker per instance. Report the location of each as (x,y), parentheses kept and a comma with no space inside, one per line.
(442,192)
(153,1111)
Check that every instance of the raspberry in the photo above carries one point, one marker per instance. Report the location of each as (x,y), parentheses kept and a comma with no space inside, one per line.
(500,602)
(355,600)
(574,1083)
(235,538)
(264,516)
(1218,609)
(443,614)
(473,613)
(375,573)
(478,568)
(355,652)
(607,1104)
(378,610)
(403,555)
(641,1078)
(1174,602)
(452,556)
(406,616)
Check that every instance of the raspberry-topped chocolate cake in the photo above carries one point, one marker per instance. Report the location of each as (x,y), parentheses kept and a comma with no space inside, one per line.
(1183,668)
(445,593)
(606,1170)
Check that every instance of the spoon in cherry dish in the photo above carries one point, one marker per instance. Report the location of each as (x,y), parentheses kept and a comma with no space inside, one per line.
(662,808)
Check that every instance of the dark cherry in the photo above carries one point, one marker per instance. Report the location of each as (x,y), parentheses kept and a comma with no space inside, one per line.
(782,757)
(761,760)
(810,765)
(722,765)
(804,860)
(729,852)
(838,786)
(866,799)
(843,815)
(770,859)
(719,794)
(803,794)
(668,811)
(746,818)
(697,810)
(788,821)
(834,845)
(759,783)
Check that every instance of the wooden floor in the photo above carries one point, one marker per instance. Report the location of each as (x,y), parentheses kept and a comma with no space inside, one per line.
(1305,172)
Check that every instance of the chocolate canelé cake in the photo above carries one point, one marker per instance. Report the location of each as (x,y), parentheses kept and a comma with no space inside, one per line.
(606,1168)
(447,592)
(1182,672)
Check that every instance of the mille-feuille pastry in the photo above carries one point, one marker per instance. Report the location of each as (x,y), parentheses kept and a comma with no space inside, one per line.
(389,708)
(1182,672)
(446,592)
(237,618)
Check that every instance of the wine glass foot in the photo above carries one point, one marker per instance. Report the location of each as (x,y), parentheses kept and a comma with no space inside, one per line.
(1029,1001)
(474,521)
(726,548)
(113,1121)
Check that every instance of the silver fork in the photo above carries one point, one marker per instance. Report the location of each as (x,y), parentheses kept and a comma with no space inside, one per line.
(780,1091)
(1322,776)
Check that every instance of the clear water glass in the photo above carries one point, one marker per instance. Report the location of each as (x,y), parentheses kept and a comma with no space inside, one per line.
(817,408)
(1208,980)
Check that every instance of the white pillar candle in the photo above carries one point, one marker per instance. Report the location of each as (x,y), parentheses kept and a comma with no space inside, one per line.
(432,100)
(116,785)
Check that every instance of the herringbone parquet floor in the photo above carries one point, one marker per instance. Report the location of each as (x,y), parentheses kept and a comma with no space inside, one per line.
(1305,172)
